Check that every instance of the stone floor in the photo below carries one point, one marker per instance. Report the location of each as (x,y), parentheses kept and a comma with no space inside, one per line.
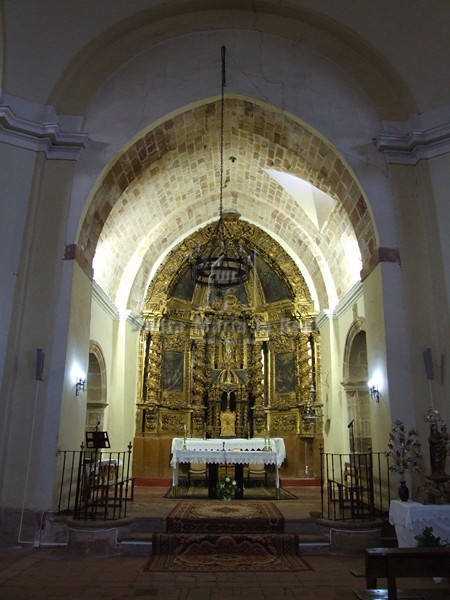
(151,500)
(29,573)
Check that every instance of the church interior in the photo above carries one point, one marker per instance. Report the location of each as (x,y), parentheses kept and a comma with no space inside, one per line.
(220,221)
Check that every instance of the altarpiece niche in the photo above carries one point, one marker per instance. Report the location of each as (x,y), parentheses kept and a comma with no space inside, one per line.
(241,362)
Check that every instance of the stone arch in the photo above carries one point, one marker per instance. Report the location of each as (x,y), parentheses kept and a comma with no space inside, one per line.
(133,35)
(286,145)
(96,397)
(355,374)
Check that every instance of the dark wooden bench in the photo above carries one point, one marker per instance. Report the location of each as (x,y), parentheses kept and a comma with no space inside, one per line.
(391,563)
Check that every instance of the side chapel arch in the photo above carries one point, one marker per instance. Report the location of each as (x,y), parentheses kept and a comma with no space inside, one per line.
(355,375)
(96,397)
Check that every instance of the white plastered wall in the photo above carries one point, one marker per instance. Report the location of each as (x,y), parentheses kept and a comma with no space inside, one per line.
(118,338)
(365,302)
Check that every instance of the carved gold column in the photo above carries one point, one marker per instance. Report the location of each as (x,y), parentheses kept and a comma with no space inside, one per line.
(153,383)
(304,380)
(315,341)
(199,380)
(144,345)
(214,401)
(256,381)
(310,406)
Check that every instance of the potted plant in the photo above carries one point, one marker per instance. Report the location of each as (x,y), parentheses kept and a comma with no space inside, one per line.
(427,539)
(405,451)
(226,489)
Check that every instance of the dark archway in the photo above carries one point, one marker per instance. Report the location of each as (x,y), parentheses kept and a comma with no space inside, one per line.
(356,389)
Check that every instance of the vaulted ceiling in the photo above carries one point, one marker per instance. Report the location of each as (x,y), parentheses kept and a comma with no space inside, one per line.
(277,174)
(305,102)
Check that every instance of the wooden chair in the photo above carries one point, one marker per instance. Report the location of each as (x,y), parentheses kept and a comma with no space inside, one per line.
(351,480)
(197,472)
(257,473)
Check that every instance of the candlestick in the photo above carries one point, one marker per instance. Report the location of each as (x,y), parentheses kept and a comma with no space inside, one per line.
(184,437)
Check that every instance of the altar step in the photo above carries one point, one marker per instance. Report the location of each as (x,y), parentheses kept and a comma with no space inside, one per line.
(135,538)
(140,544)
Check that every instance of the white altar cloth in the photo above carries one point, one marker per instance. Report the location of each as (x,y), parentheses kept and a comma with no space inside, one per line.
(276,445)
(411,518)
(223,457)
(227,452)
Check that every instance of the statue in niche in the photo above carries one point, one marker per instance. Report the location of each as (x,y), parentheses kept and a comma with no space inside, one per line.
(228,416)
(228,351)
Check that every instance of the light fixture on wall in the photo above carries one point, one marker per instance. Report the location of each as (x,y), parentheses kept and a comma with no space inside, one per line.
(222,261)
(80,386)
(374,392)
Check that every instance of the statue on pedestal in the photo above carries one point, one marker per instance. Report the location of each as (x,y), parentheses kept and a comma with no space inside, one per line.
(437,489)
(438,443)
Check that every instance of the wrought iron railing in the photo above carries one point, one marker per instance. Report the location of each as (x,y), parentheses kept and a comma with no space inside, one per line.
(355,486)
(94,484)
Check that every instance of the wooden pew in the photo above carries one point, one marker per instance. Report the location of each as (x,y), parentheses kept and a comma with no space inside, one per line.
(391,563)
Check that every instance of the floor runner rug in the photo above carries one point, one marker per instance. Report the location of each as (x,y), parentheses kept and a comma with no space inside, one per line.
(199,492)
(225,517)
(206,552)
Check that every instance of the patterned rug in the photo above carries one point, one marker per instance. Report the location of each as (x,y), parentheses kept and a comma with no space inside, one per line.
(234,516)
(200,492)
(199,552)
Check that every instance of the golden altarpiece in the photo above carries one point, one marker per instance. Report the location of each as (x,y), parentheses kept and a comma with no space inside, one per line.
(239,362)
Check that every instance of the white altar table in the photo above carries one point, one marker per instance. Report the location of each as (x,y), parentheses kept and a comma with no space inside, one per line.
(275,444)
(411,518)
(227,452)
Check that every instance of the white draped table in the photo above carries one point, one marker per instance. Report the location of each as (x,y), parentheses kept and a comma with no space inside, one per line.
(411,518)
(227,452)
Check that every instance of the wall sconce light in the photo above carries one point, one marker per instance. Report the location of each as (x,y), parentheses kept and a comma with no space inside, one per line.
(374,393)
(80,386)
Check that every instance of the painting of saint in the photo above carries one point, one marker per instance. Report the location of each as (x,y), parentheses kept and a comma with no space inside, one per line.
(272,285)
(184,288)
(173,371)
(284,372)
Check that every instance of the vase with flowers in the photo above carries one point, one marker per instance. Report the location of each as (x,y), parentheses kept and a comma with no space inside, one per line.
(405,452)
(226,489)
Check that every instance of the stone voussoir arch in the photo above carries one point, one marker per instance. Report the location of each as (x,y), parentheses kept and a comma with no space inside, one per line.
(294,148)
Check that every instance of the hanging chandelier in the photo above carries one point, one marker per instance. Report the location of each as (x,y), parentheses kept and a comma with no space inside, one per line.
(222,261)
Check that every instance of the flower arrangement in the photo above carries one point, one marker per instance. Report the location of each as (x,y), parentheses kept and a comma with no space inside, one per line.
(427,539)
(227,488)
(404,449)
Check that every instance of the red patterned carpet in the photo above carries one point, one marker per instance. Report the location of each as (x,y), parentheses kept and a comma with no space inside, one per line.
(225,517)
(256,492)
(199,552)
